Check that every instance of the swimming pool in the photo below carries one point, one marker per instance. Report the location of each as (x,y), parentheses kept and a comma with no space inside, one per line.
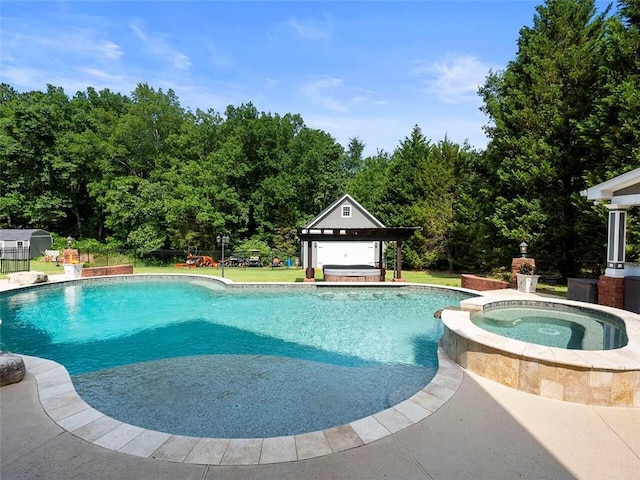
(561,326)
(193,357)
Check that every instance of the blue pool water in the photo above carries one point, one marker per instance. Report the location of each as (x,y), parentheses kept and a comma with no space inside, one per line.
(562,327)
(192,357)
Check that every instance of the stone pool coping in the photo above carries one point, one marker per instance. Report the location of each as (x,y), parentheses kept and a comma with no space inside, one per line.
(594,377)
(66,408)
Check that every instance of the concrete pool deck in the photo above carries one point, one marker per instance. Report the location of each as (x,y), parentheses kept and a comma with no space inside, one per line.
(484,430)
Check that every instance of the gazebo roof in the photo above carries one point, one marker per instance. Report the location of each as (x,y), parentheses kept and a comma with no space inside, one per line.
(350,234)
(313,223)
(623,190)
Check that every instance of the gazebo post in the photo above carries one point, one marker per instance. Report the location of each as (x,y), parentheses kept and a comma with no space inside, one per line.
(398,277)
(617,231)
(310,274)
(617,195)
(380,260)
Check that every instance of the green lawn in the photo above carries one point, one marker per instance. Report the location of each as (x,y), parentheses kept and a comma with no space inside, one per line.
(266,274)
(242,274)
(282,274)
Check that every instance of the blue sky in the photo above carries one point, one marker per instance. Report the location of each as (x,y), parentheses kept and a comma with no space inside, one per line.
(366,69)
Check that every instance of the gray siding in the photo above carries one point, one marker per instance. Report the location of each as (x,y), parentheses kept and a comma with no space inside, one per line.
(35,239)
(334,218)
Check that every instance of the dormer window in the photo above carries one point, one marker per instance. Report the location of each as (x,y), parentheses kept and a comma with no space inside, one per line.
(346,211)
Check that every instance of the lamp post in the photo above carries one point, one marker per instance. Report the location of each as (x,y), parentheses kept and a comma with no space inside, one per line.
(222,241)
(523,249)
(69,241)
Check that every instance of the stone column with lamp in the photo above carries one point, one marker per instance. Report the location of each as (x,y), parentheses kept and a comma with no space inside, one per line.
(71,262)
(516,263)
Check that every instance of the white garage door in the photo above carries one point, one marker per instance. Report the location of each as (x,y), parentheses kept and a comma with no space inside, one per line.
(346,253)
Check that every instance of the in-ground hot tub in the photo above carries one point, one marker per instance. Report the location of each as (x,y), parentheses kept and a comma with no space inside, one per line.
(352,273)
(595,377)
(563,326)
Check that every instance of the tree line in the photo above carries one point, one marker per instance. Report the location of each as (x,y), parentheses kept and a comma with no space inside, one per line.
(139,171)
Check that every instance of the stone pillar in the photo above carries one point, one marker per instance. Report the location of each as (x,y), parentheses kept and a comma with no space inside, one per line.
(515,267)
(611,291)
(72,265)
(616,240)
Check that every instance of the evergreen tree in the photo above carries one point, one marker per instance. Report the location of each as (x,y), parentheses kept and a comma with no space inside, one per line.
(535,160)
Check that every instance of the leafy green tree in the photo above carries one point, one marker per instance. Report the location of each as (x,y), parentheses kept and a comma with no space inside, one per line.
(318,173)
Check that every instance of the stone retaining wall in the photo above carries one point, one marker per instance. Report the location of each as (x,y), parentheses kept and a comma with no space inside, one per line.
(570,383)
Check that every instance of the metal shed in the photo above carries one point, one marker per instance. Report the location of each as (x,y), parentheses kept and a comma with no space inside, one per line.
(22,244)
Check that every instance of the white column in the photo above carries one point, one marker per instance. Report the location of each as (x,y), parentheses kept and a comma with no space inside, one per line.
(616,240)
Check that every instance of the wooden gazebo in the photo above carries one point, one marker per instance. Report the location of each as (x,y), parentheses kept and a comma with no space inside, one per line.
(393,234)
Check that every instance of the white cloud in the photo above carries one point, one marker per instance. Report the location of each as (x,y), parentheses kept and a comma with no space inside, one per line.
(158,47)
(271,82)
(216,58)
(334,94)
(28,78)
(180,60)
(110,49)
(102,75)
(308,31)
(317,90)
(68,43)
(455,79)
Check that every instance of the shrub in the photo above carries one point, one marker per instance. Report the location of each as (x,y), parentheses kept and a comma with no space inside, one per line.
(527,269)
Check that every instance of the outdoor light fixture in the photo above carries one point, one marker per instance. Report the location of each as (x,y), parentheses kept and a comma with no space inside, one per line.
(523,249)
(69,241)
(222,241)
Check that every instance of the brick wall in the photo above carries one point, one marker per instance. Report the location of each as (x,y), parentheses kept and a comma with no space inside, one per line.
(515,267)
(481,284)
(111,270)
(611,291)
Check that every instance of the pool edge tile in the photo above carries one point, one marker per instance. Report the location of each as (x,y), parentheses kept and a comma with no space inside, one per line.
(413,410)
(118,437)
(145,444)
(97,428)
(342,437)
(175,448)
(243,451)
(80,419)
(393,420)
(278,450)
(369,429)
(311,445)
(208,451)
